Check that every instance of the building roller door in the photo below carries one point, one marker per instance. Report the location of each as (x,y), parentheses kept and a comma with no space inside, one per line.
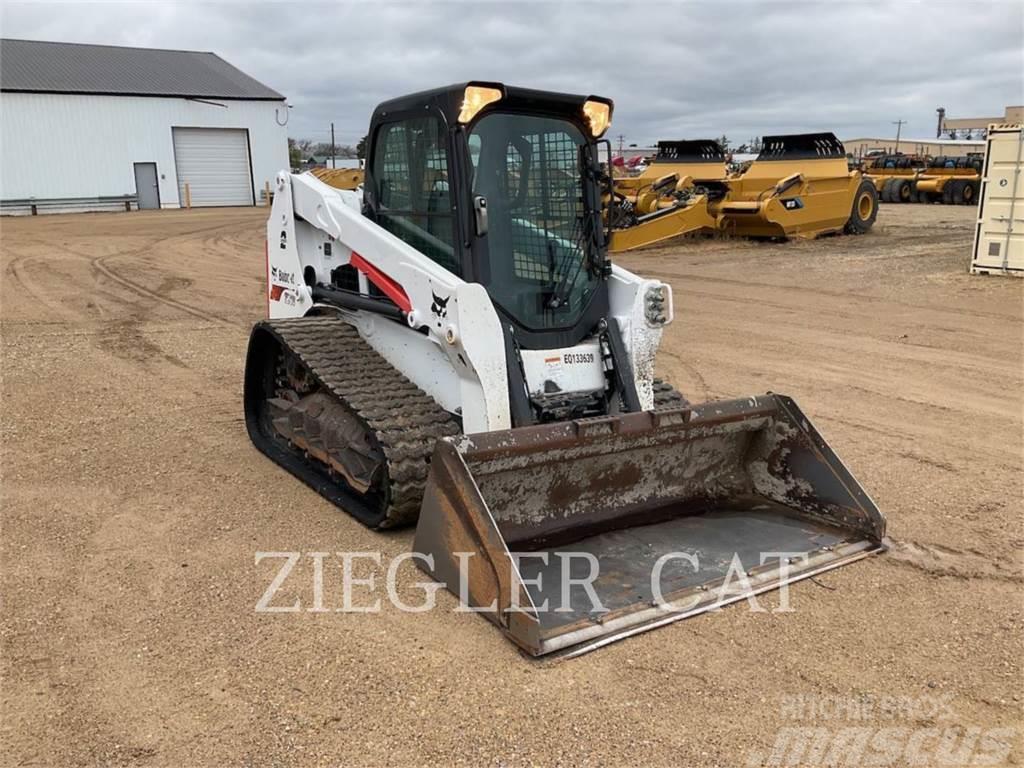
(214,162)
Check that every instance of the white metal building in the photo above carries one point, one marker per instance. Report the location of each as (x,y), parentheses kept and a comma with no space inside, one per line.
(92,127)
(933,147)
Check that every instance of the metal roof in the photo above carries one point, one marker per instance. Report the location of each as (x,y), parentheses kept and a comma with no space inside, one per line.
(35,66)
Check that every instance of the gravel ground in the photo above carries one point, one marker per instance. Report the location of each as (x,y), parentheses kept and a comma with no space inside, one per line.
(134,504)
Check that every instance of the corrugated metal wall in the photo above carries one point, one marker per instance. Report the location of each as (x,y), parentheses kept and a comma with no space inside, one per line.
(64,146)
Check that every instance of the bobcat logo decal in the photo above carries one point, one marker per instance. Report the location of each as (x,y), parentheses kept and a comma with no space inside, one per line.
(439,306)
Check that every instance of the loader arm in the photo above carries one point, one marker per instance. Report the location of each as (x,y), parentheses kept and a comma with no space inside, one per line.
(454,316)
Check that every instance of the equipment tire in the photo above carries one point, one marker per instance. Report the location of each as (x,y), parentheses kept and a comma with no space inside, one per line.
(864,210)
(969,193)
(886,194)
(902,191)
(949,196)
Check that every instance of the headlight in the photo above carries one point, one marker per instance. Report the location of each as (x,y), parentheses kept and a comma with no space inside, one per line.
(658,304)
(475,98)
(599,116)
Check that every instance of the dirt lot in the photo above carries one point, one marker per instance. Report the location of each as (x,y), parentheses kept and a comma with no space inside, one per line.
(133,504)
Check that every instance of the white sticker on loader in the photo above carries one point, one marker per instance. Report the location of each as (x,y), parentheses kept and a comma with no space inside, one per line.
(570,369)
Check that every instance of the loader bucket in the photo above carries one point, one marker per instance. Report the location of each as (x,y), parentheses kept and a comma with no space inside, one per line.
(572,535)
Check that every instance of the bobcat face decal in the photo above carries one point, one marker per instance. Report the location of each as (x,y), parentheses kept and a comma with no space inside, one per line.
(439,306)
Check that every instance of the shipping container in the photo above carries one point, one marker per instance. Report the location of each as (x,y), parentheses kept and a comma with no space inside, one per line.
(999,234)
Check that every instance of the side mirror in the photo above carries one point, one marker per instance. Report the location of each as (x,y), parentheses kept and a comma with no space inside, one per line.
(480,214)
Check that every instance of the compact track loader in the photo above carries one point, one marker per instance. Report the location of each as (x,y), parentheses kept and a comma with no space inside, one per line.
(895,176)
(669,198)
(451,345)
(800,185)
(950,180)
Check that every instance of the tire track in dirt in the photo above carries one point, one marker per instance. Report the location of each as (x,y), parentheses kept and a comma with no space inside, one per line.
(938,560)
(63,309)
(816,292)
(17,269)
(99,264)
(968,361)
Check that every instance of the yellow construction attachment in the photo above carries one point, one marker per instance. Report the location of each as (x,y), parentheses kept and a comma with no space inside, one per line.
(670,197)
(339,178)
(800,186)
(686,218)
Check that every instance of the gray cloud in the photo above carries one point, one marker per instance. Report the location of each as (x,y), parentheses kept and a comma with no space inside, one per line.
(673,69)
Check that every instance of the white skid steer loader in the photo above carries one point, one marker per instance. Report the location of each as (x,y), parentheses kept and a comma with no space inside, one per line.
(451,345)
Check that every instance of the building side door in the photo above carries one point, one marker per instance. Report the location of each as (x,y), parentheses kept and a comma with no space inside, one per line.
(147,188)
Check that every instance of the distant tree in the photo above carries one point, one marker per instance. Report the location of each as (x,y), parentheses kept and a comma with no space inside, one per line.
(361,148)
(742,149)
(298,151)
(724,141)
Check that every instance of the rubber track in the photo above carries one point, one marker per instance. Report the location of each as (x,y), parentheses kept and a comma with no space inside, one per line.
(665,395)
(405,420)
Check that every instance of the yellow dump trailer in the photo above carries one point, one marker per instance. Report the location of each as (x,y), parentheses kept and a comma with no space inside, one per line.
(800,186)
(999,235)
(950,180)
(895,176)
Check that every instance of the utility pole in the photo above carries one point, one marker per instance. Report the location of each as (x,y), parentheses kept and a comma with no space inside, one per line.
(899,125)
(333,150)
(621,139)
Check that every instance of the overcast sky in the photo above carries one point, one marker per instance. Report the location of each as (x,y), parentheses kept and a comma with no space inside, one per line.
(674,70)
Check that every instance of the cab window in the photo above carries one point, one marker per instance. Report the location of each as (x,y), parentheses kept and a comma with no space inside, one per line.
(411,172)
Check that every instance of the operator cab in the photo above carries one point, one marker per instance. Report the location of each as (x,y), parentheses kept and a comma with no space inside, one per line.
(500,186)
